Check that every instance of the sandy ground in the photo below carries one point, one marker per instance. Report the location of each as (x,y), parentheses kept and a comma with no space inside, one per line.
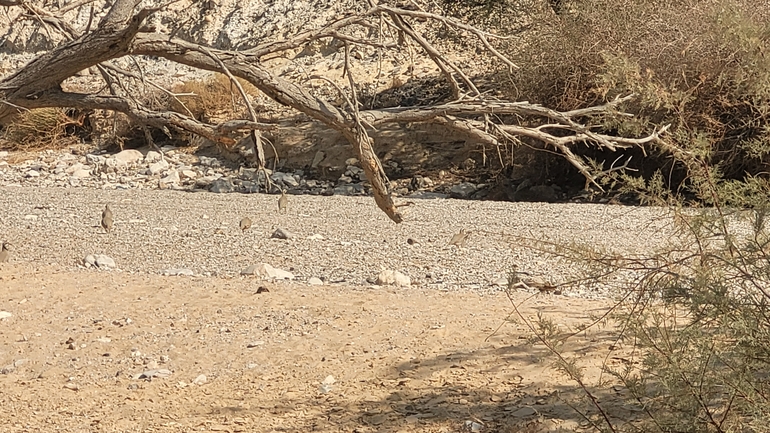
(402,360)
(342,357)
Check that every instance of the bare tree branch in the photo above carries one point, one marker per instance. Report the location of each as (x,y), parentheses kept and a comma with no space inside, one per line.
(476,115)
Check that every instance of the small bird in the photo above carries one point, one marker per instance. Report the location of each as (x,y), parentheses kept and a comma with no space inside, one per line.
(5,253)
(107,218)
(245,224)
(459,239)
(283,202)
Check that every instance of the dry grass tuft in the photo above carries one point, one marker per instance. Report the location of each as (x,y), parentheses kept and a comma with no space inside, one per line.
(40,129)
(213,99)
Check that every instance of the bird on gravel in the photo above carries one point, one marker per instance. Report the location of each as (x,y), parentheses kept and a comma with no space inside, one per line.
(107,218)
(283,202)
(245,224)
(459,239)
(5,253)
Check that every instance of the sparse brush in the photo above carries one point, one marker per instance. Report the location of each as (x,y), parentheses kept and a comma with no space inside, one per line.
(212,99)
(694,313)
(42,128)
(700,66)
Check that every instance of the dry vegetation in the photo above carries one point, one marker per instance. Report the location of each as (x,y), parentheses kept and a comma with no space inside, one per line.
(212,99)
(700,66)
(43,128)
(695,315)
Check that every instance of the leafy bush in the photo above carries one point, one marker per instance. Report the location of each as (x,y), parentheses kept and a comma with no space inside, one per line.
(695,313)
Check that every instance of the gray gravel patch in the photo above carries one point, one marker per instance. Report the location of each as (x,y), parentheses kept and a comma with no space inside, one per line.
(157,230)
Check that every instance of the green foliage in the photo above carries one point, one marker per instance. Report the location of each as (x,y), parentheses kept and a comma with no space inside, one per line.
(696,313)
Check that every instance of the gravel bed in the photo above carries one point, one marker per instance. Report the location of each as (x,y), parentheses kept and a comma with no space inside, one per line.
(156,230)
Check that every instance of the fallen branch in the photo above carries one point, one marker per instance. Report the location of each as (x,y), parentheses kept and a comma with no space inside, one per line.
(479,117)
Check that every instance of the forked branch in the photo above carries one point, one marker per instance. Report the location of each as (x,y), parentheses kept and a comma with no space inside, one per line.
(480,117)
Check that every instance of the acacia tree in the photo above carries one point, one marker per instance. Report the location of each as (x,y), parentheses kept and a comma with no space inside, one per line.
(472,113)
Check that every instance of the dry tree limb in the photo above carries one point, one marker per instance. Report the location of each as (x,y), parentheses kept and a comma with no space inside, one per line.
(256,135)
(478,116)
(369,162)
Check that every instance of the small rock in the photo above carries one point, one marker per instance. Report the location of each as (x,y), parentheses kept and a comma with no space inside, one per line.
(314,281)
(152,156)
(172,178)
(249,173)
(104,262)
(95,159)
(204,182)
(250,187)
(424,182)
(326,384)
(263,270)
(128,156)
(473,426)
(315,237)
(286,179)
(73,168)
(222,186)
(188,174)
(393,278)
(178,272)
(5,315)
(209,162)
(462,190)
(200,380)
(71,386)
(354,171)
(149,374)
(351,161)
(428,195)
(524,412)
(81,174)
(30,217)
(158,166)
(282,234)
(32,173)
(254,344)
(349,189)
(89,261)
(280,274)
(502,282)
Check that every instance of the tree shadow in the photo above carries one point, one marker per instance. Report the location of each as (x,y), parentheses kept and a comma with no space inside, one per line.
(501,387)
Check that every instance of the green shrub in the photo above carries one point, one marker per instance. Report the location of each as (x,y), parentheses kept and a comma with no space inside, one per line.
(695,314)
